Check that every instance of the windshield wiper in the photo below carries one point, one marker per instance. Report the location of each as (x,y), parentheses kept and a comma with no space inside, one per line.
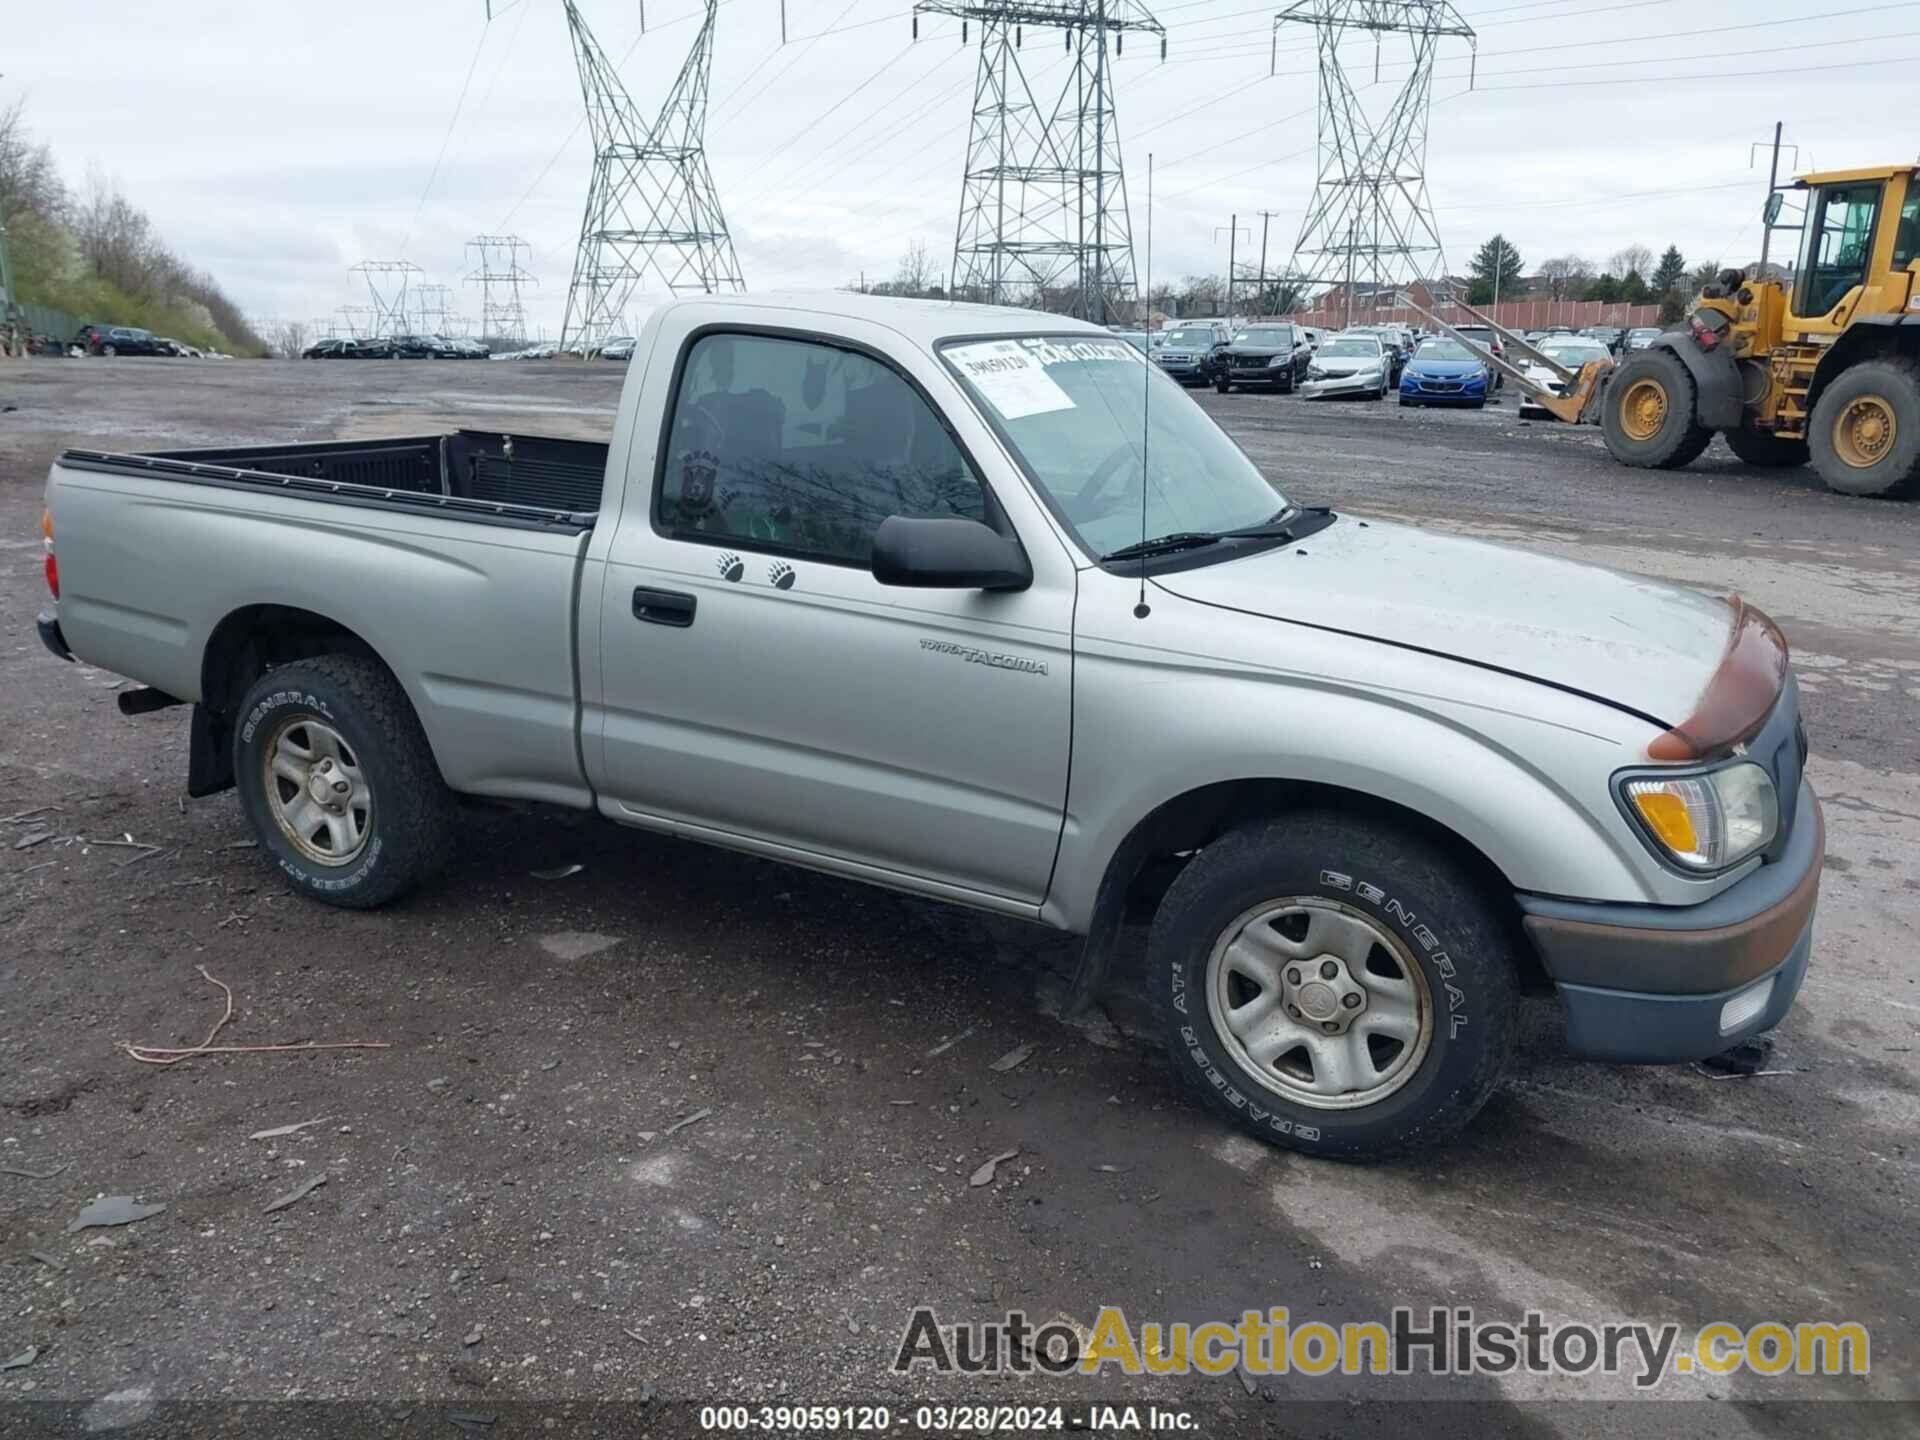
(1293,523)
(1163,545)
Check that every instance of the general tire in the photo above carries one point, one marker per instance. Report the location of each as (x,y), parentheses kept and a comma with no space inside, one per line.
(1397,883)
(408,830)
(1677,437)
(1892,385)
(1762,448)
(1221,387)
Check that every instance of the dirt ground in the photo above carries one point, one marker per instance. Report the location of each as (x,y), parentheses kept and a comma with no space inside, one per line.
(689,1127)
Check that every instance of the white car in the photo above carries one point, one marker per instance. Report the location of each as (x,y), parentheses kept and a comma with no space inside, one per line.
(1572,351)
(1351,364)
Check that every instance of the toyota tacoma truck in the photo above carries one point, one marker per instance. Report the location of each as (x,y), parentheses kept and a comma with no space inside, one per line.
(975,604)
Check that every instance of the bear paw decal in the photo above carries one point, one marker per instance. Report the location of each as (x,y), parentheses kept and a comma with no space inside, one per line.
(781,575)
(731,566)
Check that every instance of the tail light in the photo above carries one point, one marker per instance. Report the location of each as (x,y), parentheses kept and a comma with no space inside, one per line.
(46,537)
(1704,330)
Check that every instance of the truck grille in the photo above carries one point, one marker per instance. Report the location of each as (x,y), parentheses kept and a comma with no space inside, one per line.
(1249,362)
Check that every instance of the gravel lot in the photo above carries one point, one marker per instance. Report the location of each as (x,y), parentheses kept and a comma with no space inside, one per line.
(510,1214)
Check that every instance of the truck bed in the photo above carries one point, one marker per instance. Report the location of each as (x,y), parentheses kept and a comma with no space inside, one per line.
(468,474)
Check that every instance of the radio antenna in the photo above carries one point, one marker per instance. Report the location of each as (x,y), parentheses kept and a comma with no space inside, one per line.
(1141,609)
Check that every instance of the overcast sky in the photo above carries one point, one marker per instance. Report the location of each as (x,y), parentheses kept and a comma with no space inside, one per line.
(276,144)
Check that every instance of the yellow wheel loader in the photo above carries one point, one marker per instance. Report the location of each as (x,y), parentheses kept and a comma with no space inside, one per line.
(1825,367)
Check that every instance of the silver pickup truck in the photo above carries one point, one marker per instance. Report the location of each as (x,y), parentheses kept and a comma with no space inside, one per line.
(976,604)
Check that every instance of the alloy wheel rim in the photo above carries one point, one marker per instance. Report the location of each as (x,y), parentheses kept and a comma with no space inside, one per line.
(317,791)
(1643,409)
(1320,1004)
(1864,432)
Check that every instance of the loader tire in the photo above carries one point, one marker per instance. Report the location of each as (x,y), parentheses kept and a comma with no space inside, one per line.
(1864,433)
(1650,413)
(1759,447)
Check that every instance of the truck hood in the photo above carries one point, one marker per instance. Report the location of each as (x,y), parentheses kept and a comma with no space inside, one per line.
(1642,645)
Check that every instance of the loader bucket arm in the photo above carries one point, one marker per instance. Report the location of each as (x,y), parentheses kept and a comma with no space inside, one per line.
(1582,388)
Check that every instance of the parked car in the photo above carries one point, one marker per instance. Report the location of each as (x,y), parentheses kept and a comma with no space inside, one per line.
(1397,777)
(1272,356)
(117,340)
(1570,351)
(412,347)
(1349,364)
(170,346)
(1445,372)
(1641,336)
(1610,336)
(1397,341)
(1194,351)
(338,349)
(620,347)
(1136,338)
(1483,335)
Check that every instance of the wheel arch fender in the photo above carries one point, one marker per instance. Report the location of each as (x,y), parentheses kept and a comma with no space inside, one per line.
(1871,337)
(1500,819)
(246,643)
(1716,378)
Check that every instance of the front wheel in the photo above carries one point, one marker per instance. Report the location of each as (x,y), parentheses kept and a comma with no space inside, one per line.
(339,783)
(109,351)
(1648,414)
(1334,985)
(1221,387)
(1864,433)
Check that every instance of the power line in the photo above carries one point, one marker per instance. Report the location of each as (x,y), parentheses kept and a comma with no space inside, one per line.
(434,174)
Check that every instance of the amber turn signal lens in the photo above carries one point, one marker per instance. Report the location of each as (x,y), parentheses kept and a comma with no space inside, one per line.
(1666,815)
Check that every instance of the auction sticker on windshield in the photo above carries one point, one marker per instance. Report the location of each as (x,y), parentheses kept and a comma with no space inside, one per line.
(1011,376)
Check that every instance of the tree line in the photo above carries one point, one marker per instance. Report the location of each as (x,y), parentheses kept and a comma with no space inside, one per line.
(1631,276)
(96,255)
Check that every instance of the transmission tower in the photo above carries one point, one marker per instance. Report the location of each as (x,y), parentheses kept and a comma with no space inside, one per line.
(430,311)
(1043,204)
(651,204)
(499,274)
(387,282)
(1370,221)
(357,321)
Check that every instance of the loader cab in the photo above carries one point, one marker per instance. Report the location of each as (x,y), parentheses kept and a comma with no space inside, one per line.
(1860,235)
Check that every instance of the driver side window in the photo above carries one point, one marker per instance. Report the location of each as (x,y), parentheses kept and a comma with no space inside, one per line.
(801,448)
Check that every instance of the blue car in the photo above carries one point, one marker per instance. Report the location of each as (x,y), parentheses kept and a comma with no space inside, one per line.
(1444,372)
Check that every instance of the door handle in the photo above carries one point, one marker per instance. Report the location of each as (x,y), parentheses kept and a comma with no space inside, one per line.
(663,607)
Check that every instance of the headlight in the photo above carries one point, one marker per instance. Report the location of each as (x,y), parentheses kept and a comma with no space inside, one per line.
(1709,821)
(1314,372)
(1273,360)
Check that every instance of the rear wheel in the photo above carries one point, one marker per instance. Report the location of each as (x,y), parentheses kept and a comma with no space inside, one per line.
(1649,415)
(339,782)
(1334,985)
(1864,434)
(1760,447)
(108,350)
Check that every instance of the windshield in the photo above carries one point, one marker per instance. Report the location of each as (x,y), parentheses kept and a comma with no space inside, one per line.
(1190,338)
(1265,335)
(1352,345)
(1443,350)
(1070,407)
(1574,356)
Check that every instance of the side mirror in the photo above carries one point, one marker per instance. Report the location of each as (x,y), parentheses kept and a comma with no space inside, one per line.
(1770,212)
(948,554)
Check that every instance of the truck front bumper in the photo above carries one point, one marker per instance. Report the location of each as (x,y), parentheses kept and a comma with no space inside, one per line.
(1650,984)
